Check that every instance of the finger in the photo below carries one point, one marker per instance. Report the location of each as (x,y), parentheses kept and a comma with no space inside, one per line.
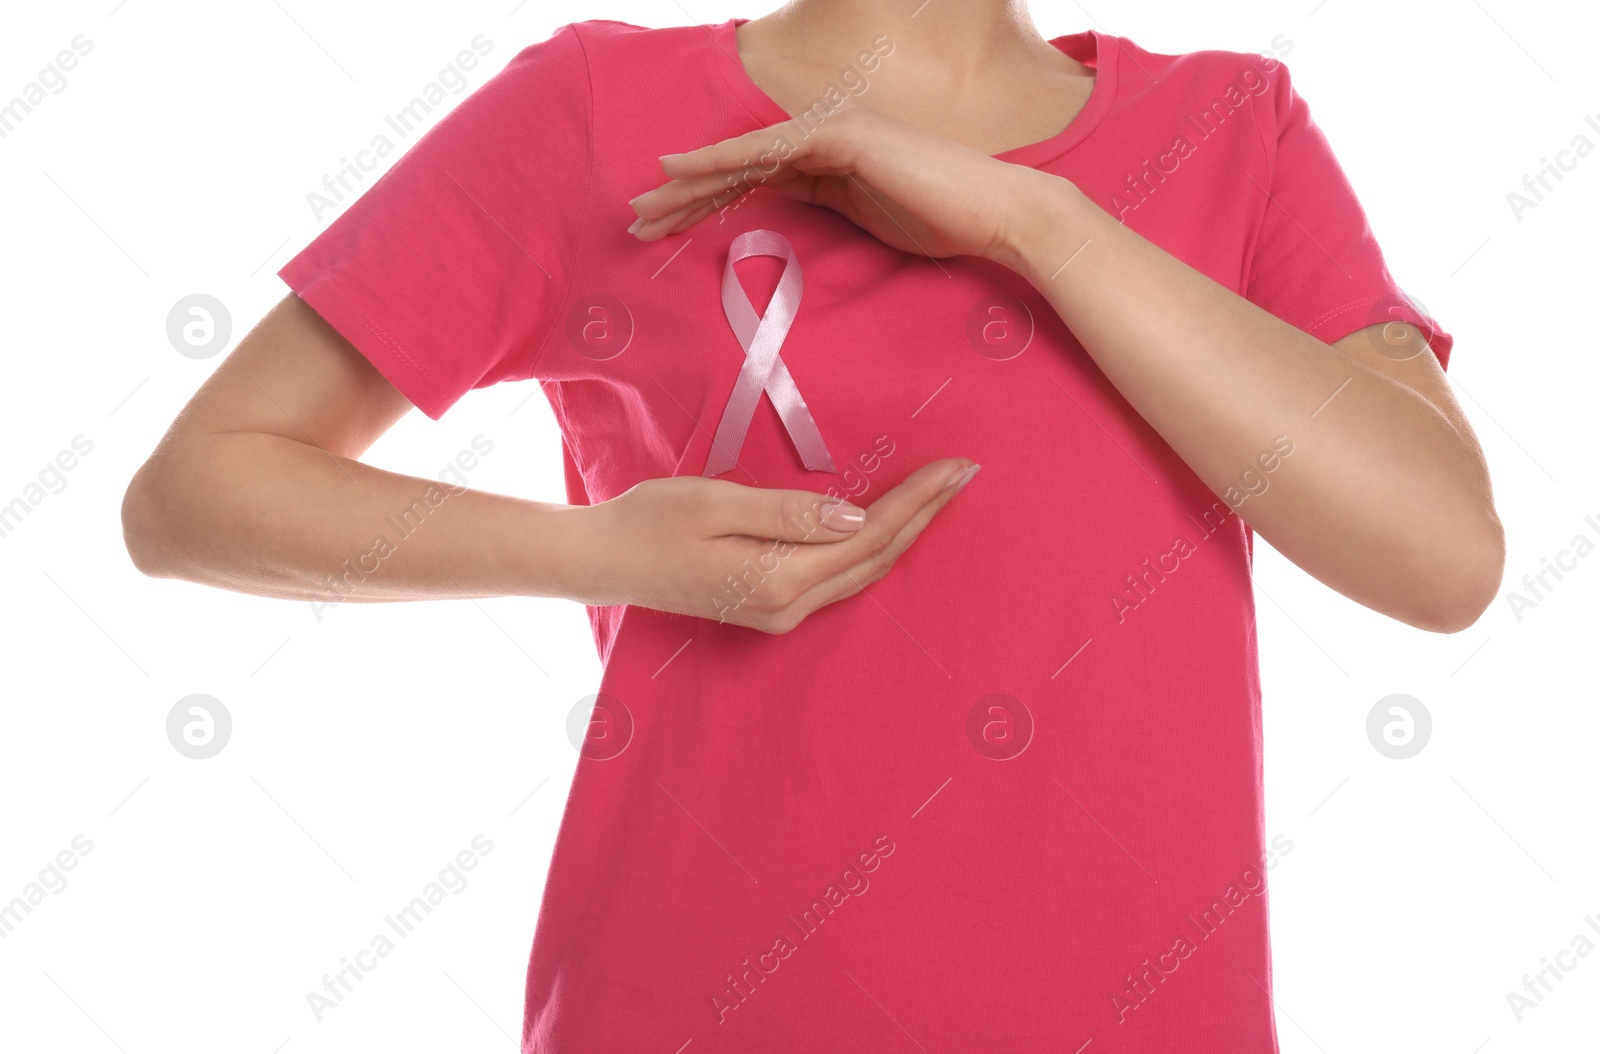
(662,226)
(874,566)
(682,219)
(736,153)
(797,515)
(680,193)
(840,570)
(678,221)
(694,216)
(793,515)
(885,519)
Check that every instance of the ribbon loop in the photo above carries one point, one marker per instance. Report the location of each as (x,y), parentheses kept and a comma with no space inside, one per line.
(764,369)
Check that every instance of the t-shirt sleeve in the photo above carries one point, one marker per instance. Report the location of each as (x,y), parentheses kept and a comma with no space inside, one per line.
(1316,263)
(449,271)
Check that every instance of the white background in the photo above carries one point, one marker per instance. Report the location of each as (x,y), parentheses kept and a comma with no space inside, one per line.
(369,748)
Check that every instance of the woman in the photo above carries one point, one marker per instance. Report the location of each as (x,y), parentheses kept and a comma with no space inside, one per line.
(1006,796)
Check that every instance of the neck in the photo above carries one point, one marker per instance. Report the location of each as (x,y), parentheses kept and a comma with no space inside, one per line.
(955,37)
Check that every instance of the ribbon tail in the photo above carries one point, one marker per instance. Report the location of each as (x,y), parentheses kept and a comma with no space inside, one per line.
(797,419)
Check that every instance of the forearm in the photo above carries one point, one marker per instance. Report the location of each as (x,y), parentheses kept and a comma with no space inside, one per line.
(1384,499)
(262,514)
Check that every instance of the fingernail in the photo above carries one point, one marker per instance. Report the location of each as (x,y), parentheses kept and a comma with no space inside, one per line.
(842,516)
(634,228)
(961,478)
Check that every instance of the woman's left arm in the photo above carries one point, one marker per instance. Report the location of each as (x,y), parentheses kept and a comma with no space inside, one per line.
(1386,497)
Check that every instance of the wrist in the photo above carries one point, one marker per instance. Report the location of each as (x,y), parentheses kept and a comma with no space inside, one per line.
(562,552)
(1044,225)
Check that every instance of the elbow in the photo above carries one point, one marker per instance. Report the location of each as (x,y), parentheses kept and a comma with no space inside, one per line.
(1470,577)
(141,524)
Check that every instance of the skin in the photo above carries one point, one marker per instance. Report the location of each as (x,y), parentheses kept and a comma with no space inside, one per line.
(258,487)
(1387,497)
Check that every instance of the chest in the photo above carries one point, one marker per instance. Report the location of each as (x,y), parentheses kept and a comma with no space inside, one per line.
(885,349)
(872,341)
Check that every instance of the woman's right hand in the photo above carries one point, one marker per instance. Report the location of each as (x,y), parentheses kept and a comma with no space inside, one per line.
(763,558)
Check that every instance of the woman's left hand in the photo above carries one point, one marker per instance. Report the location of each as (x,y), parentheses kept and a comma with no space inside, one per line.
(913,190)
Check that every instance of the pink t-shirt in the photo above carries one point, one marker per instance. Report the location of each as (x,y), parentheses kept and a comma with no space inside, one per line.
(1007,799)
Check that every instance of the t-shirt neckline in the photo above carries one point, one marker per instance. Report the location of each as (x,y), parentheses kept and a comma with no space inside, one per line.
(1085,47)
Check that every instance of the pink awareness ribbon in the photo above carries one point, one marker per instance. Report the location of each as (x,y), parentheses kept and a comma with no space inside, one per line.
(763,369)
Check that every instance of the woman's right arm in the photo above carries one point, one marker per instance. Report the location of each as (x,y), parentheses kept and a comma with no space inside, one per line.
(256,487)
